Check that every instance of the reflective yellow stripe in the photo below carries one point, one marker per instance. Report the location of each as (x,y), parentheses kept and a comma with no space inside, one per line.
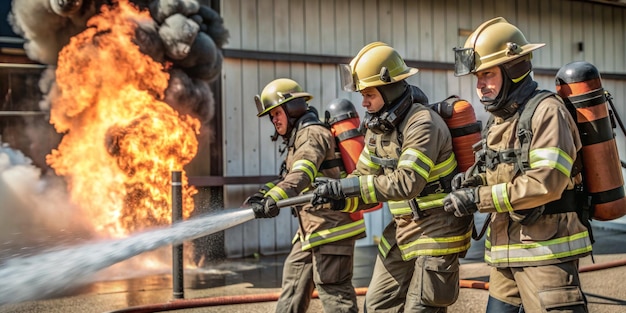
(416,160)
(367,161)
(277,193)
(552,158)
(539,251)
(424,203)
(267,187)
(305,166)
(333,234)
(436,246)
(431,201)
(443,169)
(384,246)
(351,205)
(368,193)
(500,198)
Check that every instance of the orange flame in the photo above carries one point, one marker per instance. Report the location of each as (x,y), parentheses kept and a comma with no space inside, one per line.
(121,142)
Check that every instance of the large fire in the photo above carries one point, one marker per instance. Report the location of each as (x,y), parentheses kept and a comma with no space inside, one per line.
(121,141)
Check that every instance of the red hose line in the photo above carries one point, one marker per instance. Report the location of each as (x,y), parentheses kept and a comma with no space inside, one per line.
(267,297)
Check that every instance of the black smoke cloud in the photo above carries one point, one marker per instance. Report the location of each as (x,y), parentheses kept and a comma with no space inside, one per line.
(185,33)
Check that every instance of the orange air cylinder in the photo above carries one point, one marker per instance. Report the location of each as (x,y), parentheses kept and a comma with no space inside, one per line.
(580,86)
(460,117)
(344,125)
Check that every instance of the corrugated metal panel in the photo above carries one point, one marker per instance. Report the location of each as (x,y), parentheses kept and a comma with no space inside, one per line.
(420,31)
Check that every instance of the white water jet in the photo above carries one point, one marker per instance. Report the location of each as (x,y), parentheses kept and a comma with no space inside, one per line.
(47,274)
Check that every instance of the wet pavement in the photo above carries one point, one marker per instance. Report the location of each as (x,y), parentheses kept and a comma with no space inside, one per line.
(252,284)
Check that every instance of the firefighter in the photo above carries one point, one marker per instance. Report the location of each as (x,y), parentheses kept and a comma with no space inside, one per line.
(409,163)
(322,253)
(535,236)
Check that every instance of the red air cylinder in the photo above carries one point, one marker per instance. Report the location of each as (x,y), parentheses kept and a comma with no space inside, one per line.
(344,124)
(580,86)
(465,129)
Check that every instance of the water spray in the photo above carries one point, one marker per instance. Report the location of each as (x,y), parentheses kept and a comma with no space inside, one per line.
(49,274)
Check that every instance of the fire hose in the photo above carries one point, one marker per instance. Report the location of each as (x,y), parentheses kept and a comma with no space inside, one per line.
(181,304)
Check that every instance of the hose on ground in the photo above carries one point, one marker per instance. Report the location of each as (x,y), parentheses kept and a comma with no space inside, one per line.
(181,304)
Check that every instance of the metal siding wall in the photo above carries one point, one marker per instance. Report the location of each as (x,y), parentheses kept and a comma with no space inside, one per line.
(420,30)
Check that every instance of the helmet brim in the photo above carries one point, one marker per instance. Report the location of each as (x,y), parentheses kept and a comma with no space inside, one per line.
(307,97)
(505,59)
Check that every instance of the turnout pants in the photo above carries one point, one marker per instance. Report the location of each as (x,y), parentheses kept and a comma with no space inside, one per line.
(426,284)
(538,289)
(328,268)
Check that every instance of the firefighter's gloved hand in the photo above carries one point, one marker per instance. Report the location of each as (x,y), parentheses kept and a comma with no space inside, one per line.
(460,181)
(257,197)
(457,180)
(265,209)
(474,181)
(336,189)
(328,203)
(461,202)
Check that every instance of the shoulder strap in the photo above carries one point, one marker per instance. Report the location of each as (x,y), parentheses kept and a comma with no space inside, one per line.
(524,130)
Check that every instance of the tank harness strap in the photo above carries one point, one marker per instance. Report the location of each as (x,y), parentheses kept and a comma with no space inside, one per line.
(524,130)
(351,133)
(310,119)
(328,164)
(385,162)
(466,130)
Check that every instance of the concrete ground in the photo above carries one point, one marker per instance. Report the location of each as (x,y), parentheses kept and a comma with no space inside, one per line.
(259,280)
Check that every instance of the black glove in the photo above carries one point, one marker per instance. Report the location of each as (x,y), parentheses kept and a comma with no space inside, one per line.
(461,202)
(257,197)
(328,188)
(459,181)
(328,203)
(473,181)
(337,188)
(265,209)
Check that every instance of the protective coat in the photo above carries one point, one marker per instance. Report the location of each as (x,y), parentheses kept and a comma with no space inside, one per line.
(553,238)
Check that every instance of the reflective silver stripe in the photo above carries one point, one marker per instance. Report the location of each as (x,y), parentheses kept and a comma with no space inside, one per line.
(368,193)
(443,169)
(552,158)
(436,246)
(367,161)
(305,166)
(416,160)
(277,193)
(539,251)
(500,198)
(333,234)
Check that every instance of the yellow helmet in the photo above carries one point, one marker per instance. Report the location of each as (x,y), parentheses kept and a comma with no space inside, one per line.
(277,92)
(494,42)
(377,64)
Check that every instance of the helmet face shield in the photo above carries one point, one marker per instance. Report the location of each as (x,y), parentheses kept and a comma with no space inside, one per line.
(259,104)
(346,78)
(464,62)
